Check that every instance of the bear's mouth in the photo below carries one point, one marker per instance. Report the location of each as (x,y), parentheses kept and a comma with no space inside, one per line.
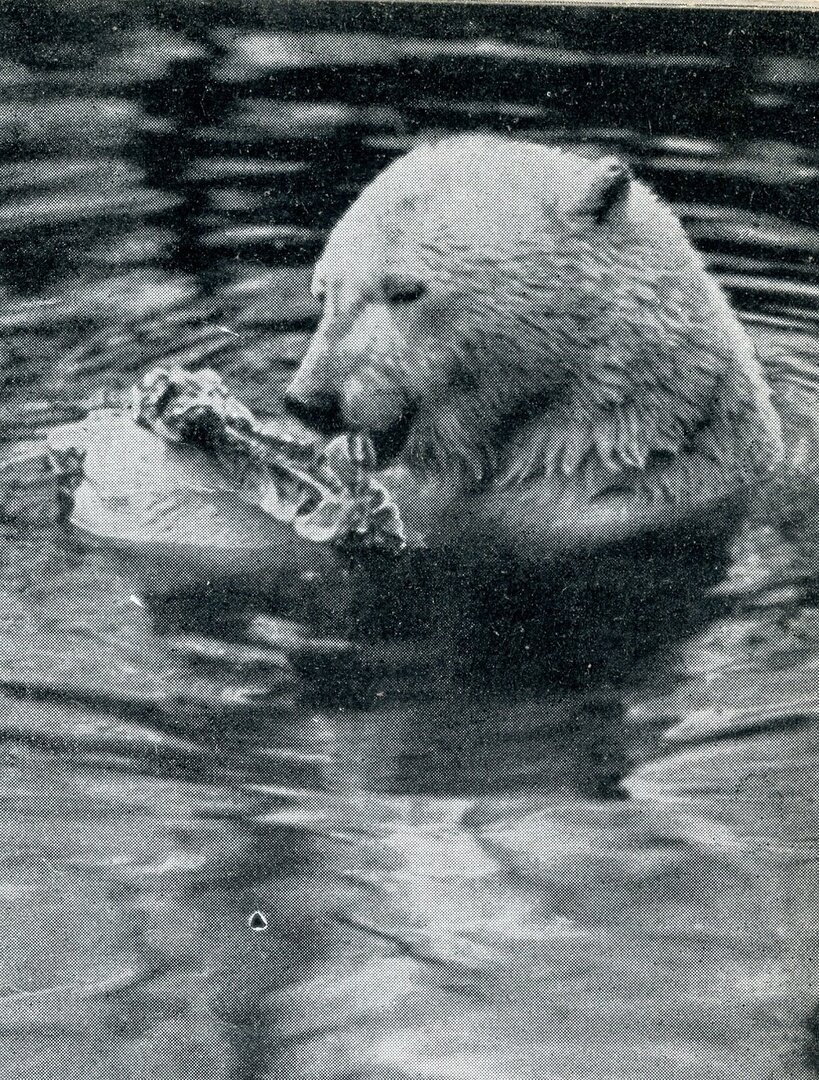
(320,413)
(391,441)
(325,417)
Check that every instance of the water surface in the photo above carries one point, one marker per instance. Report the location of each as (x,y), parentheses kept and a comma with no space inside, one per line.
(395,819)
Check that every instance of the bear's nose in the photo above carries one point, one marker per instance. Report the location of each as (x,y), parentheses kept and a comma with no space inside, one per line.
(319,411)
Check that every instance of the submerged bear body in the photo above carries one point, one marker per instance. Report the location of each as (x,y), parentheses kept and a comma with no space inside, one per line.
(536,347)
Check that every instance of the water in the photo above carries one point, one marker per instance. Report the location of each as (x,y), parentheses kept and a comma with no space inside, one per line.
(395,820)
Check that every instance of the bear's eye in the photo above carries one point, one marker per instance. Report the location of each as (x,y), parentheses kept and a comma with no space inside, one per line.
(402,291)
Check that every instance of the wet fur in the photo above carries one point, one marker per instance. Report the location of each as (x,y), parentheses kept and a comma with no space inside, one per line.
(581,351)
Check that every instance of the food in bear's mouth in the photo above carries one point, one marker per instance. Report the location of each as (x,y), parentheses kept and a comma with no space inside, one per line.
(327,493)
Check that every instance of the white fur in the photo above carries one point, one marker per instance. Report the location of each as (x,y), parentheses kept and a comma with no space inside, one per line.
(569,328)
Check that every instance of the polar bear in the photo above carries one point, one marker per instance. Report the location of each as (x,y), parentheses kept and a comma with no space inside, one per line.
(536,349)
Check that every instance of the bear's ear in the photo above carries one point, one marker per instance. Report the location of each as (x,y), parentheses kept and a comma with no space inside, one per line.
(607,190)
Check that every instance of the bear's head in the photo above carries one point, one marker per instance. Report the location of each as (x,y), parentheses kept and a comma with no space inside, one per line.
(479,285)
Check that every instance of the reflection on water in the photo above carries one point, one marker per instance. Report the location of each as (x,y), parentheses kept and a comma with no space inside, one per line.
(407,819)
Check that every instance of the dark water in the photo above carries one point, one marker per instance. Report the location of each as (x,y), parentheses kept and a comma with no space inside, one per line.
(396,820)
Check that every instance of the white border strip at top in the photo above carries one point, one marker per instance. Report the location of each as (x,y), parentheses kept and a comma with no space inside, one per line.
(675,5)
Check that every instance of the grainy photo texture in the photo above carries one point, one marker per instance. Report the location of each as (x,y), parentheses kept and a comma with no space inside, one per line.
(409,485)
